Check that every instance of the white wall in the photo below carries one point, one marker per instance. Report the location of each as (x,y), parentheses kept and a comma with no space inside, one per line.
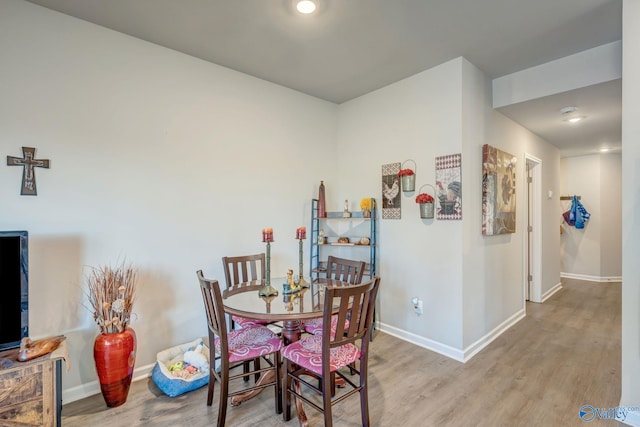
(593,253)
(470,285)
(416,118)
(611,212)
(493,265)
(164,159)
(630,208)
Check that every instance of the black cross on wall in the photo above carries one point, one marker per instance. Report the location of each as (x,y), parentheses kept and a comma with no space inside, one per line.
(28,162)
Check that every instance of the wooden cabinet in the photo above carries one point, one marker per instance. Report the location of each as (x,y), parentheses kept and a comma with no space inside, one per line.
(336,225)
(30,392)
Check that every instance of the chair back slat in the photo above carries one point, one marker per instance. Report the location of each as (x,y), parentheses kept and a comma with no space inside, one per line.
(354,303)
(345,270)
(241,269)
(214,310)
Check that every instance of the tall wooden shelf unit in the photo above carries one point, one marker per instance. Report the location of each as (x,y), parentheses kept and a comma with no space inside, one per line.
(335,225)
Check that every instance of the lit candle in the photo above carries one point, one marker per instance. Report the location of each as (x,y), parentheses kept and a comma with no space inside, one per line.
(267,234)
(301,233)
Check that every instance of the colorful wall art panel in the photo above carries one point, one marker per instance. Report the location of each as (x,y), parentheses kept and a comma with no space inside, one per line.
(498,191)
(449,186)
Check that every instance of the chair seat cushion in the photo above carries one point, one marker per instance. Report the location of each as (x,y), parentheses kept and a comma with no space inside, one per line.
(249,343)
(245,322)
(308,353)
(314,326)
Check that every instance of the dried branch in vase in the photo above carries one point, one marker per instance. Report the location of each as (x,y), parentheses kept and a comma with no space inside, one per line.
(111,295)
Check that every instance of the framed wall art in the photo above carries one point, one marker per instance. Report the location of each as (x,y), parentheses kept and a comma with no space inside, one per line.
(449,186)
(498,191)
(390,191)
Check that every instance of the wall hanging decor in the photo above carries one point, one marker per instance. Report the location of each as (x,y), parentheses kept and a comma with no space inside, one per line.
(449,186)
(498,191)
(408,176)
(425,200)
(390,191)
(28,162)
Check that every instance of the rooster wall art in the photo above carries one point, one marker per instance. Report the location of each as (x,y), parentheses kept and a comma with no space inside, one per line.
(391,199)
(390,193)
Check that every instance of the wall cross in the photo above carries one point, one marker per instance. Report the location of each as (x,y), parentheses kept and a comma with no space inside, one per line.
(28,162)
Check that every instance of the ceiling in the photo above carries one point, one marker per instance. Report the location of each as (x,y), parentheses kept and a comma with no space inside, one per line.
(352,47)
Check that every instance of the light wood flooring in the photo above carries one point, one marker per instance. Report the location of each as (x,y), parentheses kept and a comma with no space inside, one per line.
(566,353)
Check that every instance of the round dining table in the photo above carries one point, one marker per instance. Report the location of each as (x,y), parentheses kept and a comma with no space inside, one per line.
(292,310)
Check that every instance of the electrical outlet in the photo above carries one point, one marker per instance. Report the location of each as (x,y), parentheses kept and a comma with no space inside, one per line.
(417,305)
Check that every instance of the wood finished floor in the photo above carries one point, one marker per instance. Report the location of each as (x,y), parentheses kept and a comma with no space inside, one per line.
(566,353)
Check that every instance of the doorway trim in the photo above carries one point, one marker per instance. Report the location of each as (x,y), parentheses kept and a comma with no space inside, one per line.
(532,253)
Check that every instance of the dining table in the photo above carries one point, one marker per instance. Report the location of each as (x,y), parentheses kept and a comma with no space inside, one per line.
(291,309)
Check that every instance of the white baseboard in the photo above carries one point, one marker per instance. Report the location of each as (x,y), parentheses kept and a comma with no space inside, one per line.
(603,279)
(446,350)
(89,389)
(423,342)
(484,341)
(551,291)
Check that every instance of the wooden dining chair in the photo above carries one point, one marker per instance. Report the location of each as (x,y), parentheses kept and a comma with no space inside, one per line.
(235,347)
(243,269)
(342,269)
(325,354)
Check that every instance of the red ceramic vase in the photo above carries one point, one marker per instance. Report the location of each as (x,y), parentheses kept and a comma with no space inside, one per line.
(115,356)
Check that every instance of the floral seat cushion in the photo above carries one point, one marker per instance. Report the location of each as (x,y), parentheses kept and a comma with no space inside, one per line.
(314,326)
(245,322)
(249,343)
(308,353)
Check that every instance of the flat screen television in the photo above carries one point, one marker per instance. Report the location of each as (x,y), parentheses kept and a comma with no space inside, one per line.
(14,288)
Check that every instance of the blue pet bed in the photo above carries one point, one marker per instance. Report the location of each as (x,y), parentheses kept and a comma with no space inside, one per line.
(174,386)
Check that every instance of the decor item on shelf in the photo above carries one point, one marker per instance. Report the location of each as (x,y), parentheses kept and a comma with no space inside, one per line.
(301,234)
(425,200)
(365,241)
(498,191)
(111,295)
(322,207)
(345,212)
(343,240)
(390,191)
(449,186)
(267,290)
(28,161)
(32,349)
(322,239)
(408,177)
(365,207)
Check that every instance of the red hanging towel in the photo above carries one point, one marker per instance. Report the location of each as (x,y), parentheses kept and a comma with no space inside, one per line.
(566,216)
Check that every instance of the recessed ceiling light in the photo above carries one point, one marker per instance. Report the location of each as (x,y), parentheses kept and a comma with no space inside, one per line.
(569,115)
(306,6)
(567,110)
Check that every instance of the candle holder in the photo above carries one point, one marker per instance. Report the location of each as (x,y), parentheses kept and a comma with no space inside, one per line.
(267,301)
(268,290)
(302,283)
